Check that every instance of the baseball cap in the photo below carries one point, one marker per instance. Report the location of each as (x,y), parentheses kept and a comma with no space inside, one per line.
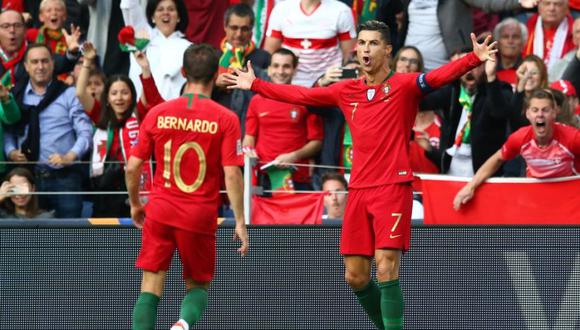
(565,87)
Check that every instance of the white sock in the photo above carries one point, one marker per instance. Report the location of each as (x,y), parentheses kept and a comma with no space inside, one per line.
(180,325)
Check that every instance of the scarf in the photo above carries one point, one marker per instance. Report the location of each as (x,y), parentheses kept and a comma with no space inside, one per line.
(464,136)
(535,43)
(128,135)
(234,57)
(364,10)
(9,63)
(53,38)
(30,115)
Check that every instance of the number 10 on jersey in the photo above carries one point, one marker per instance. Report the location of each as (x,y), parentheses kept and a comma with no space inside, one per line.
(174,165)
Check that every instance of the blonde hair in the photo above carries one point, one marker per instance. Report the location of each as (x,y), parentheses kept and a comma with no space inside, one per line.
(44,3)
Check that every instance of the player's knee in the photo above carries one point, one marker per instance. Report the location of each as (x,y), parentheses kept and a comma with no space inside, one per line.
(356,280)
(387,270)
(191,284)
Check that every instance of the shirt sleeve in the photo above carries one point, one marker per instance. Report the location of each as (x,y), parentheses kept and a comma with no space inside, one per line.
(144,146)
(317,96)
(252,123)
(231,149)
(511,148)
(81,125)
(345,25)
(314,127)
(443,75)
(275,23)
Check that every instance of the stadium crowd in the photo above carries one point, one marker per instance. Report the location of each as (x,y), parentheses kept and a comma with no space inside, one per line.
(78,77)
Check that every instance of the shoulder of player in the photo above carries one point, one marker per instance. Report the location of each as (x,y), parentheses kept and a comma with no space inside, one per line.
(566,130)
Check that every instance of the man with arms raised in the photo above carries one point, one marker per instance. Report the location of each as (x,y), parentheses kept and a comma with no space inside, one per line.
(192,137)
(380,110)
(550,149)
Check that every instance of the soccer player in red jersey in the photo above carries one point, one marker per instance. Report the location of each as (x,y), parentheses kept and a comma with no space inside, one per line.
(380,110)
(192,138)
(550,149)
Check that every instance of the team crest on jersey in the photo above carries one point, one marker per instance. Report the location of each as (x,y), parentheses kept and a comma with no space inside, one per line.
(371,93)
(294,114)
(386,89)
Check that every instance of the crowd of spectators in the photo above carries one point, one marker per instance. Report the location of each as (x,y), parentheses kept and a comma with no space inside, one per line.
(71,100)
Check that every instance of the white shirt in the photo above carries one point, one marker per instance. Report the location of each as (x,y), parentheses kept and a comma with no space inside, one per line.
(425,33)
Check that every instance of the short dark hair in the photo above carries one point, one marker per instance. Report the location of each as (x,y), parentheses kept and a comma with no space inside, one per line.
(334,176)
(200,63)
(378,26)
(34,46)
(241,10)
(287,52)
(181,12)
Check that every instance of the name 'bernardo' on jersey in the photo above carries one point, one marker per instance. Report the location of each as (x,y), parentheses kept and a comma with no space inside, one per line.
(186,124)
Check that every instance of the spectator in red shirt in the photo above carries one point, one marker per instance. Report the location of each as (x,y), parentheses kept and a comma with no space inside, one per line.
(550,32)
(282,132)
(550,149)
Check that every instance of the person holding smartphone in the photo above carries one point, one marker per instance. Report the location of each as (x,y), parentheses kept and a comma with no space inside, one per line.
(16,199)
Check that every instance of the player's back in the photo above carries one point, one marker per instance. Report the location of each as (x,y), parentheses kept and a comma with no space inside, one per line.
(193,138)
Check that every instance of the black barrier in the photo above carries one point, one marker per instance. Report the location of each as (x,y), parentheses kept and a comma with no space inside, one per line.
(453,278)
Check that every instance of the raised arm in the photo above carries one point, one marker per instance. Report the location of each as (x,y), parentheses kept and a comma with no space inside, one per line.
(452,71)
(319,96)
(485,172)
(86,99)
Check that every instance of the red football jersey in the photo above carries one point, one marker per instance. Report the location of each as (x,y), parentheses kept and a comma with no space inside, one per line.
(380,117)
(560,158)
(280,128)
(192,139)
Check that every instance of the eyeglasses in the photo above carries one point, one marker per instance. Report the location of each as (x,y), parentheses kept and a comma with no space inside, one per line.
(16,26)
(244,29)
(411,61)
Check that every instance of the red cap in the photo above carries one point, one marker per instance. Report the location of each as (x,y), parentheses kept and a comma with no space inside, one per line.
(565,87)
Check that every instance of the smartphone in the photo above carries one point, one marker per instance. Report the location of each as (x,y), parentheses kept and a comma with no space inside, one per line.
(349,73)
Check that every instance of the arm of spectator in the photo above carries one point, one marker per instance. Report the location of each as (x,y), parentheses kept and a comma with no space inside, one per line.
(132,179)
(331,76)
(272,44)
(5,189)
(453,70)
(347,47)
(235,190)
(498,100)
(249,146)
(82,127)
(134,15)
(150,96)
(505,5)
(440,100)
(9,110)
(321,96)
(72,39)
(86,99)
(572,72)
(485,172)
(309,150)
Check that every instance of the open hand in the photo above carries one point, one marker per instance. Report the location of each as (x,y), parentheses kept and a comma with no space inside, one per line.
(240,79)
(89,51)
(485,50)
(72,39)
(463,196)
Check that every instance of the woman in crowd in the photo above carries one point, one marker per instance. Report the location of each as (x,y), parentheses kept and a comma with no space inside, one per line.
(164,23)
(117,128)
(531,74)
(16,202)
